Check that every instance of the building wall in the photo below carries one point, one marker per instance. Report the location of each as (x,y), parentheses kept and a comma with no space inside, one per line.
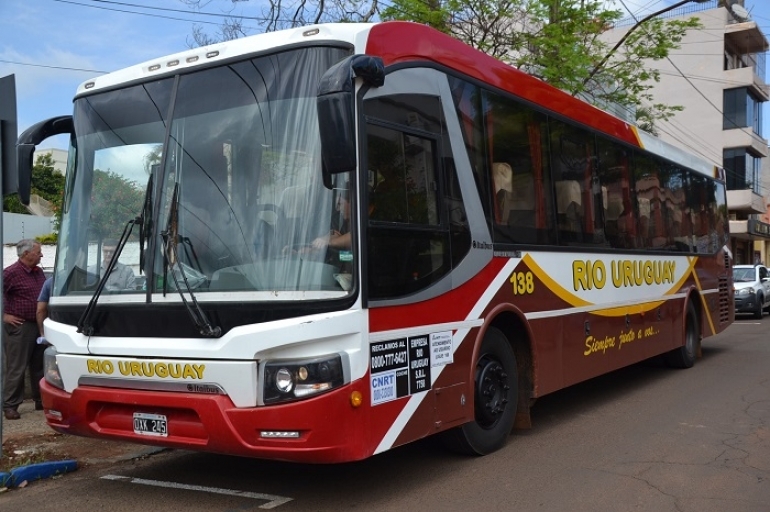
(17,226)
(59,158)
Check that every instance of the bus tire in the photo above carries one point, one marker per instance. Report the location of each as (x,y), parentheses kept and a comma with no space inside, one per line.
(495,392)
(684,356)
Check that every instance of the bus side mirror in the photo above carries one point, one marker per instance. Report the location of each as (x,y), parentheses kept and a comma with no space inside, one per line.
(25,149)
(336,110)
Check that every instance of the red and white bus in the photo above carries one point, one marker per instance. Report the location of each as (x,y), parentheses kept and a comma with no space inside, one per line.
(348,237)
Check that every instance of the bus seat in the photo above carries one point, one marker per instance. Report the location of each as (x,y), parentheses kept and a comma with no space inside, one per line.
(502,175)
(644,207)
(644,220)
(292,200)
(568,207)
(291,206)
(515,195)
(614,207)
(567,192)
(267,222)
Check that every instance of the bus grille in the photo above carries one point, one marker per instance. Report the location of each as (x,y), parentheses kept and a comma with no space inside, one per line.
(724,300)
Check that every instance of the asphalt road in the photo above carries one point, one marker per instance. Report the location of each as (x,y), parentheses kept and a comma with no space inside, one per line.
(645,438)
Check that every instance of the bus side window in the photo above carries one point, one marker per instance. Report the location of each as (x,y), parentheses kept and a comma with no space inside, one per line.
(408,235)
(517,146)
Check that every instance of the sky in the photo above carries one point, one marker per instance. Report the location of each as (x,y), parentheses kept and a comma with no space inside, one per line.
(51,46)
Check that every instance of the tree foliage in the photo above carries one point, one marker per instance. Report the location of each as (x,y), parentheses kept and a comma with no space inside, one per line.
(114,201)
(46,183)
(558,41)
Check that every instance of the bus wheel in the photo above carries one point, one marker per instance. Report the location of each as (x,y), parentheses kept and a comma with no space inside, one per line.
(684,356)
(495,398)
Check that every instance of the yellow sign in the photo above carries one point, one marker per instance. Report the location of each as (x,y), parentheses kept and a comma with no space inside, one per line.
(587,274)
(147,369)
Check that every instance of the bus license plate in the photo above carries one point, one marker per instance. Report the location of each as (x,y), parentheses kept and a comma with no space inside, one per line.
(150,424)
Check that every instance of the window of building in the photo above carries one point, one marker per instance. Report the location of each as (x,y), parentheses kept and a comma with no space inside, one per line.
(742,168)
(742,109)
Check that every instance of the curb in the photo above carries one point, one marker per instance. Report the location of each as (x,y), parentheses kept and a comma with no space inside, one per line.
(33,472)
(43,470)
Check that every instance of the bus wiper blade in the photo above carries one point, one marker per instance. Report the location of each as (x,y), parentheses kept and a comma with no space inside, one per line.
(145,228)
(85,323)
(171,258)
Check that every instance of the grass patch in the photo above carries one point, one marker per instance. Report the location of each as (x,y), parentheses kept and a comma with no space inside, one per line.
(15,456)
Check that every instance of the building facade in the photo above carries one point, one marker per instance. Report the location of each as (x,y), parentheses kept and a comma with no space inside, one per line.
(718,76)
(59,157)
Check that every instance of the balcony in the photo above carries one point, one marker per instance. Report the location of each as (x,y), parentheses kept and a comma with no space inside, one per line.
(745,138)
(749,230)
(746,37)
(748,77)
(746,201)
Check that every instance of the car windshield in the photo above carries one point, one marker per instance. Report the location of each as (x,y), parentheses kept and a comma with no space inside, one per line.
(224,165)
(744,275)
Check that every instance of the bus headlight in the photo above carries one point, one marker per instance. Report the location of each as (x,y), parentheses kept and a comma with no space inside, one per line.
(301,378)
(51,368)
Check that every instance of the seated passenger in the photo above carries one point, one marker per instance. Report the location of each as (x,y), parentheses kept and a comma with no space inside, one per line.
(121,277)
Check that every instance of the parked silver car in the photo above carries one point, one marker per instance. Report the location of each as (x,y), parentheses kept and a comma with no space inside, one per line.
(752,289)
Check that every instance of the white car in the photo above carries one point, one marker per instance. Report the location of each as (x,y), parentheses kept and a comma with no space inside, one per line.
(752,289)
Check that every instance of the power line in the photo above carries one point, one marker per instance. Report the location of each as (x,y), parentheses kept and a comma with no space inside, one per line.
(169,9)
(52,67)
(135,12)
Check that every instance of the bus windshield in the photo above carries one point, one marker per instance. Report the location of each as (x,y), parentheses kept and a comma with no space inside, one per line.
(223,166)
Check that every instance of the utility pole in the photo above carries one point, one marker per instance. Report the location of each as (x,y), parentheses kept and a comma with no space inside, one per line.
(8,184)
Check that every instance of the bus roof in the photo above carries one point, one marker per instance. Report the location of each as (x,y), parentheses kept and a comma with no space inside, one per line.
(349,33)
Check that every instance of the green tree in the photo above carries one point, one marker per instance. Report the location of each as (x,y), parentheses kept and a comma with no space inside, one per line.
(46,183)
(114,201)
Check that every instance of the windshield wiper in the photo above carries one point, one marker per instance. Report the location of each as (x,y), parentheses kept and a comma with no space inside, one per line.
(85,324)
(171,258)
(146,227)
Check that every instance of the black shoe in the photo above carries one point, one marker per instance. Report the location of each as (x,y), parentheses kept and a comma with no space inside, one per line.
(38,405)
(11,414)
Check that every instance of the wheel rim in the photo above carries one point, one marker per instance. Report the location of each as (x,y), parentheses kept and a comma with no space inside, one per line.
(491,391)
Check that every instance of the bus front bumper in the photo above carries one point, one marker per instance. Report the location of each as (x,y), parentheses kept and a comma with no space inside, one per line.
(323,429)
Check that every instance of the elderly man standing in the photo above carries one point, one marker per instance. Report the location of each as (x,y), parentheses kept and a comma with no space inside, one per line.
(22,282)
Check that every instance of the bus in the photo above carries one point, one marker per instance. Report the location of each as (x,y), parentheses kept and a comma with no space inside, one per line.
(348,237)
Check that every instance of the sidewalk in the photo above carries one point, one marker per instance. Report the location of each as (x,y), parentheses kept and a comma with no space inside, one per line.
(30,440)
